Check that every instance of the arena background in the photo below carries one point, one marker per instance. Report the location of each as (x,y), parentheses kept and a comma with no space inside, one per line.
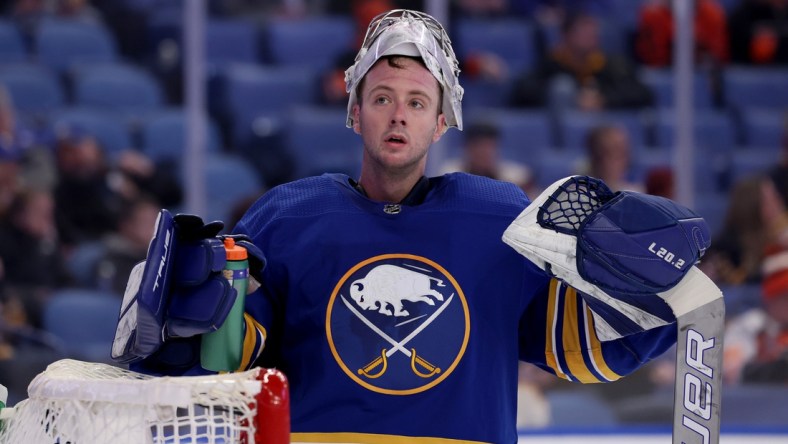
(233,87)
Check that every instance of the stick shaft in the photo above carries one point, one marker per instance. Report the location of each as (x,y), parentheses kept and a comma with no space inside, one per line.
(698,395)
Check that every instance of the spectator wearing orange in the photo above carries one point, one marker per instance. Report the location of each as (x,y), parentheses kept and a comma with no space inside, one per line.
(656,33)
(759,32)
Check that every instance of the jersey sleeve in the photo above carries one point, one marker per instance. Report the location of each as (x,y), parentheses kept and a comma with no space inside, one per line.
(557,334)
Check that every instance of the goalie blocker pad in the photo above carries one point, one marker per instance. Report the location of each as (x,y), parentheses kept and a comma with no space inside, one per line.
(178,291)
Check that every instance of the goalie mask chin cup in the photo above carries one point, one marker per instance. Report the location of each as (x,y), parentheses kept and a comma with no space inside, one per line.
(415,34)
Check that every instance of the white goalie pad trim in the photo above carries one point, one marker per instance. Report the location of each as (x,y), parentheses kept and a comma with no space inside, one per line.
(127,320)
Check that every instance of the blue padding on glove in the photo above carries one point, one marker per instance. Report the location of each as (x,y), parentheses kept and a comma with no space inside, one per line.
(180,290)
(638,245)
(198,260)
(175,357)
(199,309)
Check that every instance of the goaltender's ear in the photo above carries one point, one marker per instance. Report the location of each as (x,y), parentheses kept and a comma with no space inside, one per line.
(356,115)
(440,128)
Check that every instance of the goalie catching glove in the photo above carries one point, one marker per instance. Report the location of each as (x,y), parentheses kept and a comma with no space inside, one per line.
(623,251)
(179,291)
(632,257)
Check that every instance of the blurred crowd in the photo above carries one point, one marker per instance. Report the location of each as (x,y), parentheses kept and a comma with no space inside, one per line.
(74,214)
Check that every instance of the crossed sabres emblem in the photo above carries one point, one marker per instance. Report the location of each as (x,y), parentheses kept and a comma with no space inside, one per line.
(396,284)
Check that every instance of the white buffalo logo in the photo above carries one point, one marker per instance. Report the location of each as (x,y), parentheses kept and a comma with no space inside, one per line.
(386,286)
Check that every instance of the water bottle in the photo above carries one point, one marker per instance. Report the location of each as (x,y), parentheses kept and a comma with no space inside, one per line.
(3,400)
(221,349)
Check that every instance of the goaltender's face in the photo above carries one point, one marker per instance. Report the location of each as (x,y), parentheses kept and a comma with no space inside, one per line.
(398,116)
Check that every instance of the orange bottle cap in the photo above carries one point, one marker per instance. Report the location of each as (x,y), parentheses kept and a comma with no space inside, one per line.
(234,252)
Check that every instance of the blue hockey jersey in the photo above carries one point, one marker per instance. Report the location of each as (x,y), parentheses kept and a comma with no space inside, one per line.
(405,323)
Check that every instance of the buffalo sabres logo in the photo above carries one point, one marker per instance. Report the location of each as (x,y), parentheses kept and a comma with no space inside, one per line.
(397,324)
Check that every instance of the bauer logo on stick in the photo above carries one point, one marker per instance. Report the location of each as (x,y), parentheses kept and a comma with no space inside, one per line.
(397,324)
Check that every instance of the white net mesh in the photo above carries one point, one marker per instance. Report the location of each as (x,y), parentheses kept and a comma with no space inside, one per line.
(80,402)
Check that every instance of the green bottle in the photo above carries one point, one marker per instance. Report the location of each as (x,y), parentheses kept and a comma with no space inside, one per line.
(3,400)
(221,350)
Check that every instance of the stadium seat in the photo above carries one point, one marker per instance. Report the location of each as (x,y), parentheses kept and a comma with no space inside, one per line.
(62,43)
(651,157)
(554,165)
(483,93)
(12,46)
(579,408)
(82,261)
(84,320)
(226,40)
(247,94)
(574,126)
(754,405)
(713,172)
(34,89)
(229,179)
(319,141)
(712,205)
(314,42)
(108,128)
(511,39)
(740,298)
(755,87)
(231,40)
(163,135)
(714,130)
(661,82)
(646,410)
(754,160)
(764,126)
(525,136)
(122,88)
(623,12)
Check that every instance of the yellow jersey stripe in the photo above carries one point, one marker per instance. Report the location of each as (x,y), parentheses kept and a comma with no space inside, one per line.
(595,347)
(369,438)
(550,339)
(573,349)
(253,328)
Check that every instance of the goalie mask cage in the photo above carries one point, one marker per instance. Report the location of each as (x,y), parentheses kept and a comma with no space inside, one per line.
(82,402)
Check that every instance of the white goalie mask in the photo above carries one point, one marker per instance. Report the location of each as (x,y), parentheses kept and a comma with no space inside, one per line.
(415,34)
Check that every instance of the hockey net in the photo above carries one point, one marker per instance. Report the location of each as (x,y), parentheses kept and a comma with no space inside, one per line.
(81,402)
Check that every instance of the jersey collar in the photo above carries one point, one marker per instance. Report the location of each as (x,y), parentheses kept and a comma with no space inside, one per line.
(416,195)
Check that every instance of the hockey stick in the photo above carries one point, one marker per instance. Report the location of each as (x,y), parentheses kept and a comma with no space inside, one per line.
(697,394)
